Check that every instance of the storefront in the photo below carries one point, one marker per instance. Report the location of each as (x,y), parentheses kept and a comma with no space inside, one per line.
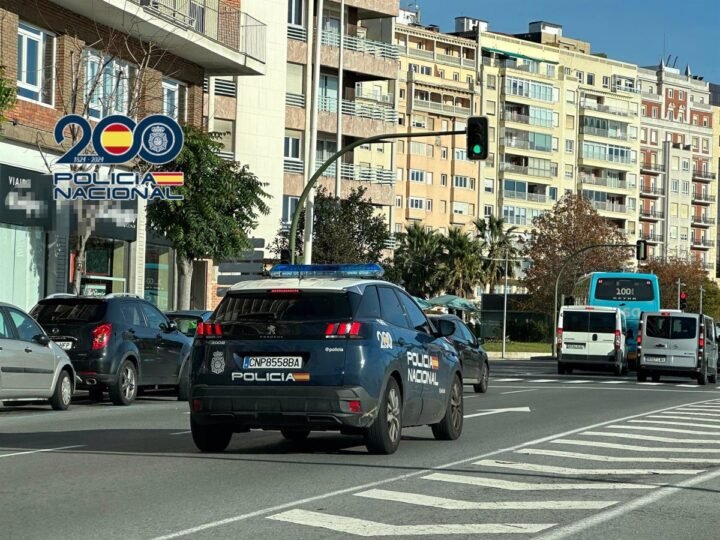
(26,215)
(159,272)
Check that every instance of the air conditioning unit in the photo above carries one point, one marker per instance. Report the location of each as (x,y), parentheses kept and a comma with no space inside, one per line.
(386,98)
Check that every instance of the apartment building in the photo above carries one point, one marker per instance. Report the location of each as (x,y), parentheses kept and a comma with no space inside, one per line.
(678,189)
(715,103)
(99,58)
(353,86)
(561,120)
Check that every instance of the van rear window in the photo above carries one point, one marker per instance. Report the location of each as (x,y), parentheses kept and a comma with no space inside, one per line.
(69,310)
(575,321)
(602,323)
(658,326)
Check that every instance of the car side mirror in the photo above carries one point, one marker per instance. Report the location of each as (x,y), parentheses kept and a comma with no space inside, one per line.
(445,328)
(42,339)
(168,327)
(481,341)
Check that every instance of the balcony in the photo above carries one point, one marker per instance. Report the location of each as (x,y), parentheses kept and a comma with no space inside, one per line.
(603,181)
(651,237)
(297,33)
(526,196)
(448,59)
(523,144)
(651,214)
(606,206)
(703,175)
(702,198)
(701,106)
(702,221)
(295,100)
(651,190)
(597,132)
(626,160)
(294,166)
(359,110)
(511,116)
(592,106)
(433,106)
(212,34)
(362,45)
(652,168)
(370,175)
(530,69)
(521,169)
(416,53)
(702,243)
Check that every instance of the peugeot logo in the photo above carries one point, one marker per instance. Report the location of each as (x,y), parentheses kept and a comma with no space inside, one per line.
(271,330)
(55,330)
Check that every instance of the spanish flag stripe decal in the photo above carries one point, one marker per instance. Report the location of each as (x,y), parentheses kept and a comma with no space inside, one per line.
(169,178)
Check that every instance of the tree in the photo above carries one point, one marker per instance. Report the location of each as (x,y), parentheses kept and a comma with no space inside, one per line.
(497,243)
(571,225)
(222,201)
(692,274)
(415,262)
(345,230)
(461,268)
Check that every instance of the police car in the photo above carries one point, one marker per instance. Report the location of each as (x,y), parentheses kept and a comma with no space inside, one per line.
(326,348)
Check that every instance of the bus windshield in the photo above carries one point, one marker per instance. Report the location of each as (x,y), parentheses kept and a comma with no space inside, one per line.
(624,289)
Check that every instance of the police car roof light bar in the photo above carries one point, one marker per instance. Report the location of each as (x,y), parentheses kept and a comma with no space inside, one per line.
(369,270)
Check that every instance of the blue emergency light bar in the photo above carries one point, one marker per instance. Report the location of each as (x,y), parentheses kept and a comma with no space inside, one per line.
(369,270)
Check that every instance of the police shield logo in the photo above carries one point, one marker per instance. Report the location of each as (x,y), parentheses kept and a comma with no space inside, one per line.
(157,140)
(217,364)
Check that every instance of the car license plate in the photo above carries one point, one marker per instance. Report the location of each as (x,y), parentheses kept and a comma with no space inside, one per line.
(575,345)
(272,362)
(64,345)
(655,359)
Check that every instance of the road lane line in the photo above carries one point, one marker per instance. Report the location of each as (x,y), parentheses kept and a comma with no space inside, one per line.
(615,382)
(181,432)
(573,530)
(611,459)
(651,383)
(665,430)
(41,450)
(707,410)
(518,391)
(699,415)
(455,504)
(544,380)
(687,416)
(687,385)
(577,382)
(635,448)
(505,380)
(666,423)
(336,493)
(641,437)
(528,486)
(364,527)
(533,467)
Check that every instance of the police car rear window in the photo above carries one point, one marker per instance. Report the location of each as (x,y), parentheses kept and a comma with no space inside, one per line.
(300,306)
(69,310)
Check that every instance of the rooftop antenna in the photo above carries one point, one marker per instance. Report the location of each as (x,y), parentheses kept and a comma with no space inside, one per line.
(676,59)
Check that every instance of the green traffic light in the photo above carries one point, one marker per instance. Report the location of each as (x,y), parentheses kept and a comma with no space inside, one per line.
(477,149)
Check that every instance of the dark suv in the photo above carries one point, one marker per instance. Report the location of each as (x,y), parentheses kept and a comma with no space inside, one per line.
(117,343)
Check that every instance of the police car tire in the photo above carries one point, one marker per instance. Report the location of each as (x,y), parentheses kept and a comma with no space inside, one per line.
(482,386)
(210,438)
(450,427)
(377,436)
(295,434)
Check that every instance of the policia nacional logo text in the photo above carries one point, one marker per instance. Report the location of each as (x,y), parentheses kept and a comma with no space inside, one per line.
(422,368)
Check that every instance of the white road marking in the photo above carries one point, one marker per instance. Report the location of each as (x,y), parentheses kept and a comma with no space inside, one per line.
(527,486)
(533,467)
(707,410)
(497,411)
(322,496)
(634,448)
(687,385)
(651,383)
(694,418)
(640,437)
(544,380)
(454,504)
(698,414)
(665,430)
(612,459)
(666,423)
(364,527)
(577,382)
(25,453)
(615,382)
(505,380)
(573,530)
(518,391)
(181,432)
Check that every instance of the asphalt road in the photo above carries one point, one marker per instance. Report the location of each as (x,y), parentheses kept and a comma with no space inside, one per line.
(578,456)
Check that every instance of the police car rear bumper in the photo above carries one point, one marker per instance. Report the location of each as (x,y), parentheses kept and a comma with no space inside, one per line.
(276,407)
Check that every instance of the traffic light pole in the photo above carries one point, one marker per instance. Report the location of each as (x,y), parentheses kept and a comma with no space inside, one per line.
(337,155)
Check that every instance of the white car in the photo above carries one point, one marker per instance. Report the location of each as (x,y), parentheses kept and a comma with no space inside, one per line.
(32,366)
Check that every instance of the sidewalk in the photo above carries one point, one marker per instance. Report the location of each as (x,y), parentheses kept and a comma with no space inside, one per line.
(519,356)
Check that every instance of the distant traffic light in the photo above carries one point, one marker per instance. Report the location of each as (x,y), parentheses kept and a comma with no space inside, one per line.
(683,300)
(477,138)
(641,250)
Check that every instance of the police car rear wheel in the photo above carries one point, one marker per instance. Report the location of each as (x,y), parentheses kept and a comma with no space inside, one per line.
(383,436)
(482,386)
(295,434)
(450,427)
(210,438)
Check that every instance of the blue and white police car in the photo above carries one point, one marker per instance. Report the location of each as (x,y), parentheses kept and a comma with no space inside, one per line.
(326,348)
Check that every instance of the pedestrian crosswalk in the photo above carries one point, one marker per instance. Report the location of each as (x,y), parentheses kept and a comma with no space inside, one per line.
(596,470)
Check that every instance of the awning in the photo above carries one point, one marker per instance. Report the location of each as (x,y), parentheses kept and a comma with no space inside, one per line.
(453,302)
(517,55)
(424,304)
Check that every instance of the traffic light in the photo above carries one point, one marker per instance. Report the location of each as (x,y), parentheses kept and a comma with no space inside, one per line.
(683,300)
(477,138)
(641,250)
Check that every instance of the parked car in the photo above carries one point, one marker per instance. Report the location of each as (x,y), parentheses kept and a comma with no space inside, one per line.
(188,320)
(472,355)
(32,366)
(118,343)
(671,342)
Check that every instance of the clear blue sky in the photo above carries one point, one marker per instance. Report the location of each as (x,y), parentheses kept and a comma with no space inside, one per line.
(629,30)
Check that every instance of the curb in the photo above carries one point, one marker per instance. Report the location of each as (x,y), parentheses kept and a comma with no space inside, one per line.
(518,356)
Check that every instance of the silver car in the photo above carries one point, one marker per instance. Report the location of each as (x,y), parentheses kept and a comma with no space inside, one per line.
(32,366)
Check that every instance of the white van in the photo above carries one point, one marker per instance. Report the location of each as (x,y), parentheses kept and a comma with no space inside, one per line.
(674,343)
(593,337)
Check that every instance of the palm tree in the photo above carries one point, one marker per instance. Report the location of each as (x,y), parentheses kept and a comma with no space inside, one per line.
(497,243)
(461,269)
(415,262)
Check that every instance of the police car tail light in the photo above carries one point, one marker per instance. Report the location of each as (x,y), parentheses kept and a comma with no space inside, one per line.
(101,336)
(343,329)
(209,330)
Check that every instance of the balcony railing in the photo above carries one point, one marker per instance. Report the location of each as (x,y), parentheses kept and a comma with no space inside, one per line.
(295,100)
(359,110)
(441,107)
(448,59)
(362,45)
(652,167)
(703,242)
(603,181)
(591,105)
(416,53)
(652,190)
(297,33)
(703,220)
(523,144)
(652,214)
(698,105)
(590,130)
(651,237)
(215,20)
(609,206)
(625,160)
(521,169)
(294,166)
(525,196)
(512,116)
(468,62)
(703,174)
(370,94)
(704,197)
(373,175)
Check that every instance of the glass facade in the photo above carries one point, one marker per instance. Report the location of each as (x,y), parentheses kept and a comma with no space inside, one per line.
(23,265)
(158,276)
(106,267)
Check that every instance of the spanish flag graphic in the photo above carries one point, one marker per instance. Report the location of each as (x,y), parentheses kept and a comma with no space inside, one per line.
(434,362)
(301,377)
(116,139)
(169,178)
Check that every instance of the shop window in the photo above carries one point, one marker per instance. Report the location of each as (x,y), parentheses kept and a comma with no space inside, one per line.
(158,272)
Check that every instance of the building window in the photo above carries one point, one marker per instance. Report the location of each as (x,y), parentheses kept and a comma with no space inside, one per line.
(655,112)
(443,179)
(569,146)
(226,129)
(490,79)
(443,207)
(461,154)
(670,92)
(35,64)
(553,193)
(398,227)
(461,181)
(289,207)
(489,185)
(591,79)
(686,187)
(653,136)
(488,211)
(107,86)
(174,99)
(428,205)
(417,176)
(398,201)
(295,12)
(415,203)
(444,152)
(675,186)
(685,165)
(606,81)
(681,95)
(456,76)
(460,208)
(570,96)
(580,76)
(705,121)
(293,144)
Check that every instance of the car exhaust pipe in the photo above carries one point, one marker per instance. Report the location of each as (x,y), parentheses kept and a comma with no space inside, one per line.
(91,382)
